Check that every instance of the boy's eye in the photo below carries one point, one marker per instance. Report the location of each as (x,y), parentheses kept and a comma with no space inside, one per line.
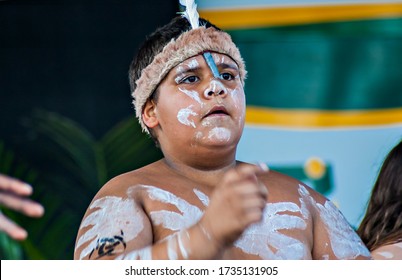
(227,76)
(190,80)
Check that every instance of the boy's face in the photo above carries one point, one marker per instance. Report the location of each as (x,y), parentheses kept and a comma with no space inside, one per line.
(198,108)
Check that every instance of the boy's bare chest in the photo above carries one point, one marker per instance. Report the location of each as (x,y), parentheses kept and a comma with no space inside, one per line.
(281,233)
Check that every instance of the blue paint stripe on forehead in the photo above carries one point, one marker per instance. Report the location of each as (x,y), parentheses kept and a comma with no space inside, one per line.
(211,64)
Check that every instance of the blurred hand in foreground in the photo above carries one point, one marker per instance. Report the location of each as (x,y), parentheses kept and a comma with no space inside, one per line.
(14,195)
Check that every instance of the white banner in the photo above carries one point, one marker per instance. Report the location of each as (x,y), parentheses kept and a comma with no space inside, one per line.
(192,270)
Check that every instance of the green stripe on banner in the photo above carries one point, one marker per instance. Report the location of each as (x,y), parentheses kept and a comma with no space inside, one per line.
(331,66)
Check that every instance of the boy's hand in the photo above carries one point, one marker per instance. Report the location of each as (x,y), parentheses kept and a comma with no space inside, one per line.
(236,203)
(13,195)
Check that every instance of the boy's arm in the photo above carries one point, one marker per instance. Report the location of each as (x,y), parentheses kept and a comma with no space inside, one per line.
(130,237)
(104,235)
(334,238)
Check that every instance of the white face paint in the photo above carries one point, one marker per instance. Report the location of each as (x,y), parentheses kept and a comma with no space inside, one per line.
(221,134)
(184,67)
(192,94)
(199,135)
(221,59)
(216,87)
(184,114)
(239,103)
(193,63)
(208,122)
(235,95)
(179,69)
(112,214)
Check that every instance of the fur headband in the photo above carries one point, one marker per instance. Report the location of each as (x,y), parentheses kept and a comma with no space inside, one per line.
(188,44)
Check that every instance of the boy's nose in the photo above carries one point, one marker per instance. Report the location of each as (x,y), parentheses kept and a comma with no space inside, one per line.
(215,88)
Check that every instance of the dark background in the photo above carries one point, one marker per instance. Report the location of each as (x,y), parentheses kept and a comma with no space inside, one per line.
(72,57)
(67,124)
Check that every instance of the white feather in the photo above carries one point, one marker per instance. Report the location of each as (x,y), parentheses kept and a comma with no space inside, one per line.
(191,13)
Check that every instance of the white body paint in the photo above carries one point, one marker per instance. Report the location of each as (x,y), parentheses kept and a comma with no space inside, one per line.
(344,241)
(255,239)
(111,215)
(178,222)
(187,216)
(202,197)
(386,255)
(264,239)
(171,247)
(184,114)
(260,237)
(388,252)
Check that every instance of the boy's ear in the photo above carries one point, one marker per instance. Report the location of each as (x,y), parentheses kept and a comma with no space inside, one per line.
(149,114)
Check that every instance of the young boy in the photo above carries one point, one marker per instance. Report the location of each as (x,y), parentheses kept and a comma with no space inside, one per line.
(198,202)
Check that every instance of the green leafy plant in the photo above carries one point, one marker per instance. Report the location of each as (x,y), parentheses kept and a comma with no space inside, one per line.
(72,166)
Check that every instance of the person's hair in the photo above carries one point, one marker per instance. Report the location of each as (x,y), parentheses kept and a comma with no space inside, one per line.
(156,41)
(382,223)
(154,44)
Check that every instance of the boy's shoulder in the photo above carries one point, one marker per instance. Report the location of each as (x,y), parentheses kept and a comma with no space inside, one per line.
(282,187)
(120,184)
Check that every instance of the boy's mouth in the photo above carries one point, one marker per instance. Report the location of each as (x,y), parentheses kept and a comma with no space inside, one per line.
(217,111)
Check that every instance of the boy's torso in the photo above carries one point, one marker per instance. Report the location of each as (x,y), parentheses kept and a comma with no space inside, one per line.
(173,203)
(296,223)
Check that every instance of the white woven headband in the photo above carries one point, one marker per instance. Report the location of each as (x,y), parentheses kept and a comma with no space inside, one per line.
(188,44)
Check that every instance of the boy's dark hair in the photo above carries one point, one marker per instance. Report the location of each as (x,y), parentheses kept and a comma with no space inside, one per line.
(155,43)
